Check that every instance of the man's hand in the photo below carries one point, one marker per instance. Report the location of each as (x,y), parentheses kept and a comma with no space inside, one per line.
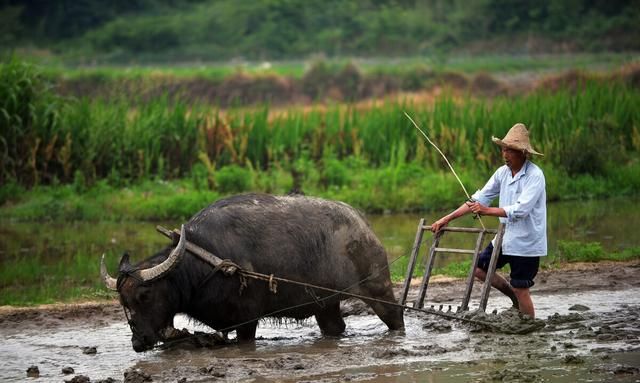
(477,208)
(465,208)
(439,224)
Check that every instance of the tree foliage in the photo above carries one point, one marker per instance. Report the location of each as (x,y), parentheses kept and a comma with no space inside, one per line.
(277,29)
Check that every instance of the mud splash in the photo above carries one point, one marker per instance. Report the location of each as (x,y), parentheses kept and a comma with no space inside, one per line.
(509,321)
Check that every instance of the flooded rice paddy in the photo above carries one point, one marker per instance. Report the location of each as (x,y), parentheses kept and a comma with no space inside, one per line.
(600,343)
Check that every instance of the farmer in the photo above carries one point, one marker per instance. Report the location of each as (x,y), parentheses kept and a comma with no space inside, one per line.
(522,207)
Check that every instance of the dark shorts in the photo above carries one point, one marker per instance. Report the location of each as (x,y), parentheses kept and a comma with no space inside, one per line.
(523,269)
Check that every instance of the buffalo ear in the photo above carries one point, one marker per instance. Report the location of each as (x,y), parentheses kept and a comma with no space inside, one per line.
(124,263)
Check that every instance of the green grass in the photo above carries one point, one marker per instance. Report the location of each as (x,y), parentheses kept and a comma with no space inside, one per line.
(297,68)
(30,280)
(548,62)
(395,187)
(574,251)
(401,188)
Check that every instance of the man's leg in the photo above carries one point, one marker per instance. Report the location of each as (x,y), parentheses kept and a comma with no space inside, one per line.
(501,284)
(523,271)
(497,281)
(526,304)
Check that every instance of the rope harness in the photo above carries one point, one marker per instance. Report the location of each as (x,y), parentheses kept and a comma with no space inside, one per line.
(132,325)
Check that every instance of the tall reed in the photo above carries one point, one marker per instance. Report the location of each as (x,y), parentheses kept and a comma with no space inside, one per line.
(46,139)
(29,116)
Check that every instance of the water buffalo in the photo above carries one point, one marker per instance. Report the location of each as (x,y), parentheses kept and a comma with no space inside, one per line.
(324,243)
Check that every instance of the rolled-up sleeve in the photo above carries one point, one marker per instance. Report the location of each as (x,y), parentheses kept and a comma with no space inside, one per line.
(532,189)
(490,190)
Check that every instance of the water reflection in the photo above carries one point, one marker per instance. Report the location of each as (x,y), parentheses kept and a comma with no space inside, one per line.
(36,246)
(607,222)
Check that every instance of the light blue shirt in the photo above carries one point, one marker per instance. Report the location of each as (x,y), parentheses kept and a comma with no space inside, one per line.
(524,199)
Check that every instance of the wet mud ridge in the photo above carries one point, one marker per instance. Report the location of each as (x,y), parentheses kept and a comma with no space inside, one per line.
(588,330)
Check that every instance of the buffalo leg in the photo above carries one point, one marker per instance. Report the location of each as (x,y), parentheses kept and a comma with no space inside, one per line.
(330,319)
(247,332)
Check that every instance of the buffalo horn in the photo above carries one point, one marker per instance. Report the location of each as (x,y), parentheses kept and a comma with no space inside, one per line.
(109,281)
(172,260)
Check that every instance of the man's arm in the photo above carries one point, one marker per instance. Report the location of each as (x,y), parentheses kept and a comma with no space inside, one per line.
(478,208)
(490,190)
(444,221)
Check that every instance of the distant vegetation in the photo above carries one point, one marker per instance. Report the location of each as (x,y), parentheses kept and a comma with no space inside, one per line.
(337,80)
(135,31)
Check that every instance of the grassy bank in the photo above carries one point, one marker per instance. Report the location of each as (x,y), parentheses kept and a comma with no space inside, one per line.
(403,187)
(92,160)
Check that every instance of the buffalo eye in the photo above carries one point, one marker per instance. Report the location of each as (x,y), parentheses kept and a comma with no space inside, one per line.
(143,296)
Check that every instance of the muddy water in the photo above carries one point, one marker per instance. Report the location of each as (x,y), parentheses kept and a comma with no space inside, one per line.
(602,343)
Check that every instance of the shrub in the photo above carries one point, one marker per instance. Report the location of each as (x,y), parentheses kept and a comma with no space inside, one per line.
(317,80)
(79,182)
(233,179)
(587,151)
(334,172)
(573,251)
(417,78)
(11,191)
(199,177)
(349,80)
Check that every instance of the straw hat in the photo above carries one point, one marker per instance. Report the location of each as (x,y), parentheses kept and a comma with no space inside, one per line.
(517,138)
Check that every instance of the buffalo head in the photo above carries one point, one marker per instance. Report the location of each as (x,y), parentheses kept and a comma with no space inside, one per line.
(144,294)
